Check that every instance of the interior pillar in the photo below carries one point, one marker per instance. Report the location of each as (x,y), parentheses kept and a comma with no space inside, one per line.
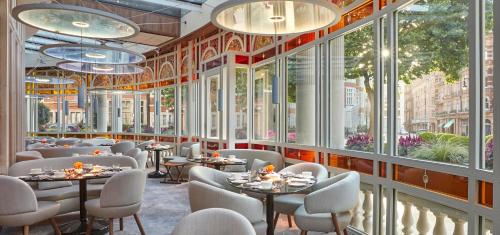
(102,112)
(337,116)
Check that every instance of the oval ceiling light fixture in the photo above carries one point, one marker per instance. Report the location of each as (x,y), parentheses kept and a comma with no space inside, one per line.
(75,21)
(97,54)
(288,16)
(48,80)
(100,68)
(106,91)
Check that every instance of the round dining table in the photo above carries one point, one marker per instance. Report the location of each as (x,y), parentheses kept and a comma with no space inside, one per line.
(218,164)
(77,227)
(157,150)
(277,190)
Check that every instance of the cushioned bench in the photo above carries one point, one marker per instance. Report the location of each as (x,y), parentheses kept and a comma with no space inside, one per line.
(67,193)
(250,155)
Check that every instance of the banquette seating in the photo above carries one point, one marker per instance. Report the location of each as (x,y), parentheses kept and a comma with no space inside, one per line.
(56,152)
(264,158)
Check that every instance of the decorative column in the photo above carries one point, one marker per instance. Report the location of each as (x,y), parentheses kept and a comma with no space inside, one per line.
(368,212)
(102,112)
(119,113)
(440,227)
(407,218)
(423,225)
(337,119)
(305,97)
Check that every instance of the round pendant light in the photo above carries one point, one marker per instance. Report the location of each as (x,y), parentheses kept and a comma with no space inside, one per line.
(100,68)
(48,80)
(75,21)
(105,91)
(92,54)
(275,17)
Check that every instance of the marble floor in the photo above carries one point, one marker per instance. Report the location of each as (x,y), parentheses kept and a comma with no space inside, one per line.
(164,206)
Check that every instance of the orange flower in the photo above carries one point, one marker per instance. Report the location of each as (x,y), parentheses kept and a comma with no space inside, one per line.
(269,168)
(117,141)
(78,165)
(216,154)
(97,152)
(66,145)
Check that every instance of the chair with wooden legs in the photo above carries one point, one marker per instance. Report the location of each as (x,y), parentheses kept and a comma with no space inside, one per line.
(121,197)
(328,209)
(19,206)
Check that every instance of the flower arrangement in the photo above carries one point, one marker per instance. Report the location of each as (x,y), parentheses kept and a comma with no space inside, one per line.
(117,141)
(360,142)
(66,145)
(408,143)
(216,154)
(269,169)
(97,152)
(78,165)
(488,154)
(43,141)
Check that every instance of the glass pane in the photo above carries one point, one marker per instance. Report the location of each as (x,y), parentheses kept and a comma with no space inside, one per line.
(102,106)
(47,114)
(488,86)
(264,121)
(301,83)
(433,92)
(212,114)
(128,113)
(241,103)
(352,74)
(184,110)
(386,63)
(73,114)
(148,112)
(487,227)
(167,111)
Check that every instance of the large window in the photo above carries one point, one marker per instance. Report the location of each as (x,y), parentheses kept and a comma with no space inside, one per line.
(488,86)
(47,113)
(432,89)
(128,113)
(241,103)
(264,117)
(147,109)
(73,112)
(184,110)
(351,77)
(212,105)
(167,111)
(301,93)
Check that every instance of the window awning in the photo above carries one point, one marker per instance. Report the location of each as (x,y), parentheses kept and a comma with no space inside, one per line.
(449,123)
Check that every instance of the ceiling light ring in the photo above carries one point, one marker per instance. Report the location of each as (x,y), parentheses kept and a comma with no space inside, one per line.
(114,71)
(44,49)
(338,12)
(16,11)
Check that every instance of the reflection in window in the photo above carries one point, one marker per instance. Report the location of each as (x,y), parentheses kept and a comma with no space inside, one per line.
(73,114)
(147,112)
(264,122)
(433,92)
(241,103)
(47,107)
(184,109)
(128,113)
(488,98)
(167,111)
(352,73)
(212,114)
(301,94)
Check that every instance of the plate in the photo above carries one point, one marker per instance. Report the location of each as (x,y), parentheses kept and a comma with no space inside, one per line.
(296,184)
(239,181)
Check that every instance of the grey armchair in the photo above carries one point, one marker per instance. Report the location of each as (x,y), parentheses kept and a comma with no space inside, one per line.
(322,214)
(203,196)
(68,141)
(19,206)
(121,196)
(214,221)
(250,155)
(28,155)
(141,158)
(287,204)
(122,147)
(210,176)
(132,152)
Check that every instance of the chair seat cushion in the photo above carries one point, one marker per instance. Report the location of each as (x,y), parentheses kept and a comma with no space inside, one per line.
(320,222)
(46,210)
(287,204)
(94,208)
(67,192)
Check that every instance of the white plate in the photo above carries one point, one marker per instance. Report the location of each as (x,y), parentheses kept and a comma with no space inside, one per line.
(296,184)
(239,181)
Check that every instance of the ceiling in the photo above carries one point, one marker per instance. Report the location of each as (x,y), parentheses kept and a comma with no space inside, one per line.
(159,22)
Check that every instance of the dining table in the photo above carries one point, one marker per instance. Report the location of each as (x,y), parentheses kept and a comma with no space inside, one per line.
(77,227)
(158,149)
(220,162)
(282,184)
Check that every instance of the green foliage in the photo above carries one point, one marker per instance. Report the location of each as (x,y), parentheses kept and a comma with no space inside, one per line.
(427,136)
(43,114)
(442,151)
(168,97)
(241,87)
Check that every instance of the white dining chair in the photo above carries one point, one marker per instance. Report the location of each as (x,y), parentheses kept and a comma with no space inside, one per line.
(214,221)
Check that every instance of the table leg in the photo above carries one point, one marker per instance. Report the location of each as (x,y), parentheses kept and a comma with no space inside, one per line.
(83,199)
(157,173)
(269,214)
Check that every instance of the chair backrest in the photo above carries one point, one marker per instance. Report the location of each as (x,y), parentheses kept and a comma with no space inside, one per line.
(124,189)
(23,168)
(141,158)
(57,152)
(209,176)
(132,152)
(68,141)
(318,171)
(144,144)
(99,141)
(17,196)
(344,188)
(189,149)
(28,155)
(34,146)
(251,154)
(122,147)
(203,196)
(84,145)
(214,221)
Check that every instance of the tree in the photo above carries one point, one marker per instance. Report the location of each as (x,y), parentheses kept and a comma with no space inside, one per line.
(432,36)
(43,114)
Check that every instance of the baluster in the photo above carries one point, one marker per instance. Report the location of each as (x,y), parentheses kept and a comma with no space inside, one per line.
(368,213)
(459,227)
(407,218)
(383,214)
(356,219)
(439,227)
(423,225)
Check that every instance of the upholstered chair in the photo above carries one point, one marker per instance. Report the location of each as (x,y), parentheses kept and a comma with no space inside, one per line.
(141,158)
(122,147)
(68,141)
(214,221)
(264,156)
(84,145)
(28,155)
(144,144)
(287,204)
(121,196)
(203,196)
(19,207)
(328,209)
(132,152)
(34,146)
(210,176)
